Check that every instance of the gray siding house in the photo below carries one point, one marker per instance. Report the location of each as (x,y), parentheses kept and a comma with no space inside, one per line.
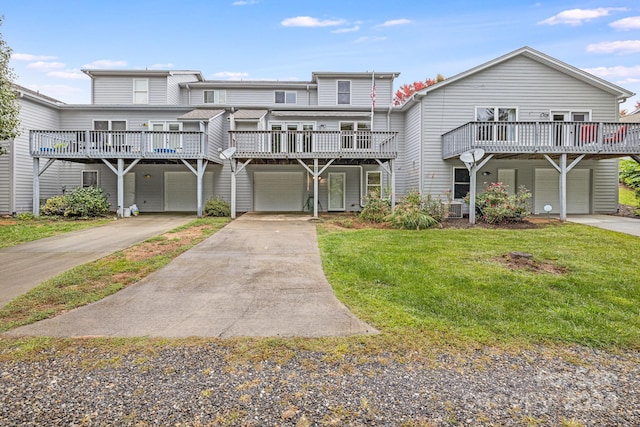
(169,140)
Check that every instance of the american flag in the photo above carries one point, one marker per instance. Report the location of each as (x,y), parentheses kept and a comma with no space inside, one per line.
(373,90)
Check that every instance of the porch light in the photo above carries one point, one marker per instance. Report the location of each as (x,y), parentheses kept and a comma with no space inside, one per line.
(147,176)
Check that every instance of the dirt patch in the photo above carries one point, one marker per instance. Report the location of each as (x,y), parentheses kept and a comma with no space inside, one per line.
(518,262)
(166,243)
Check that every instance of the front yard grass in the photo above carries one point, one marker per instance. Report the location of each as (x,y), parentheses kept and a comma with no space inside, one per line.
(14,231)
(454,286)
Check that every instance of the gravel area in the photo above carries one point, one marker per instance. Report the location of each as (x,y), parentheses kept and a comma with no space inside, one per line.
(209,385)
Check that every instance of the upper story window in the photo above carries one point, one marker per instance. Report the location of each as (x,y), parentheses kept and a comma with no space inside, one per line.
(499,132)
(140,91)
(215,96)
(344,92)
(286,97)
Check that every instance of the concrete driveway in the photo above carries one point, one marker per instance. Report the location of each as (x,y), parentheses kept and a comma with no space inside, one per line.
(260,275)
(25,266)
(620,224)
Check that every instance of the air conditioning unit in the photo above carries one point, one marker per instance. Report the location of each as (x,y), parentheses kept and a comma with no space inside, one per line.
(455,210)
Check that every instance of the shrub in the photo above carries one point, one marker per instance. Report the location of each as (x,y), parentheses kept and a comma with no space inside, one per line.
(79,202)
(497,206)
(375,208)
(630,176)
(411,212)
(25,216)
(217,206)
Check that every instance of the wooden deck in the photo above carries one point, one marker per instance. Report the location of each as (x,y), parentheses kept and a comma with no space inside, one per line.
(510,139)
(314,144)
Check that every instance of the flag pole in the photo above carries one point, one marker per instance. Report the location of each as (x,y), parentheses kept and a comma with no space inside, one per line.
(373,96)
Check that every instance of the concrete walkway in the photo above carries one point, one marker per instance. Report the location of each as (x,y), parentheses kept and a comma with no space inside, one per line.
(261,275)
(25,266)
(620,224)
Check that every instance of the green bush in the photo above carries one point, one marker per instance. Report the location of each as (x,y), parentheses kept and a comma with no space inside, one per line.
(217,206)
(25,216)
(79,202)
(630,176)
(412,213)
(497,206)
(375,208)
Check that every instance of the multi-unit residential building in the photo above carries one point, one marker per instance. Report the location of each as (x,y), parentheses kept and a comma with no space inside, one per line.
(169,140)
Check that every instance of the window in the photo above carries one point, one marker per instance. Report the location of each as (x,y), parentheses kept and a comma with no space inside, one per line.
(358,131)
(215,96)
(108,135)
(140,91)
(499,132)
(461,183)
(282,97)
(374,184)
(89,178)
(344,92)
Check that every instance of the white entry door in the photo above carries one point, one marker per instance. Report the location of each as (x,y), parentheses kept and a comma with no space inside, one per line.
(337,194)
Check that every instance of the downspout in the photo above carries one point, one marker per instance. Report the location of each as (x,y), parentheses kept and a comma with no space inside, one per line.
(421,156)
(188,94)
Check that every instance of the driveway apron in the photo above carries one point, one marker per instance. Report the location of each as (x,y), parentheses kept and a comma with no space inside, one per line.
(25,266)
(609,222)
(261,275)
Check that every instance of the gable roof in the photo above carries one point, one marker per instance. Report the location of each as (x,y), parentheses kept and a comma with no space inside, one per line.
(35,95)
(540,57)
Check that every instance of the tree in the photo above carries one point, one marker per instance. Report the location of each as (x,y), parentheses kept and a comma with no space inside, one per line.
(9,107)
(406,90)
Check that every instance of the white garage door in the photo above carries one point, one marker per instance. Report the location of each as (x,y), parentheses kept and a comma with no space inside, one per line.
(278,191)
(547,191)
(180,191)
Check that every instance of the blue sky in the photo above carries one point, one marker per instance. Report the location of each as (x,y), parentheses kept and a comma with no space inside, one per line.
(287,39)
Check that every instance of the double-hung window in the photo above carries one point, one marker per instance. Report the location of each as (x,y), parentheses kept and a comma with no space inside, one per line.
(140,91)
(461,183)
(501,130)
(286,97)
(109,134)
(89,178)
(374,184)
(215,96)
(344,92)
(358,132)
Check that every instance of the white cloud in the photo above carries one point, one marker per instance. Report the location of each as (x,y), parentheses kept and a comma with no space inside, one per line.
(230,75)
(68,74)
(161,66)
(395,22)
(308,21)
(347,30)
(244,2)
(29,57)
(617,72)
(44,65)
(105,63)
(630,23)
(578,16)
(369,39)
(620,46)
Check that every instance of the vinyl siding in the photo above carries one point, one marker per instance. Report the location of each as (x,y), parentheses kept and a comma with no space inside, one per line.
(136,120)
(411,158)
(360,92)
(250,97)
(119,90)
(32,116)
(218,135)
(173,86)
(533,88)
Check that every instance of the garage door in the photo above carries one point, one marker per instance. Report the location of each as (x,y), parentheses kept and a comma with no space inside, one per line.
(180,191)
(546,191)
(278,191)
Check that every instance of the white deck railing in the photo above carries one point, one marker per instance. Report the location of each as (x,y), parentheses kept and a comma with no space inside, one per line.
(117,144)
(544,138)
(310,144)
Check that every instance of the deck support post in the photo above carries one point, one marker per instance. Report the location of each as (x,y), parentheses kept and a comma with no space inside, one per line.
(563,169)
(36,183)
(36,186)
(473,172)
(315,188)
(201,167)
(392,165)
(120,172)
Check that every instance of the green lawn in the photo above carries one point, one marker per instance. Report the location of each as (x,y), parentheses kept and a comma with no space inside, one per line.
(16,231)
(449,283)
(627,197)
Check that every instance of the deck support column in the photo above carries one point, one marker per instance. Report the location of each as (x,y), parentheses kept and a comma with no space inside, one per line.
(199,176)
(315,188)
(120,172)
(233,189)
(473,172)
(392,165)
(36,186)
(563,169)
(36,183)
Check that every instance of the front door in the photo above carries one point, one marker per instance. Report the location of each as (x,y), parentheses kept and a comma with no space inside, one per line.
(559,129)
(337,194)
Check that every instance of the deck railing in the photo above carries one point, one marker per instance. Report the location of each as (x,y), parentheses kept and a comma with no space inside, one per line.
(543,137)
(310,144)
(117,144)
